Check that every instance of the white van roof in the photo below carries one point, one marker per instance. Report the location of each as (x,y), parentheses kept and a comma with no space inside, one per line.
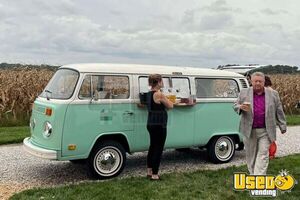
(241,69)
(148,69)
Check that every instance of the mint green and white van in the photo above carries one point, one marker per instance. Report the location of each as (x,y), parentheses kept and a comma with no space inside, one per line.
(92,113)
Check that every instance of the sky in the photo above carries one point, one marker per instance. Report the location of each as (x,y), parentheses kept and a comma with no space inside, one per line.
(193,33)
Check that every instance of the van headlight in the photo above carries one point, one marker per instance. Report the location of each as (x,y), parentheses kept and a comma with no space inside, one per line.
(47,129)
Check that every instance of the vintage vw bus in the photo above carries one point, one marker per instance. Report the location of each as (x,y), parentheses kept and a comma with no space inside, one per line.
(92,113)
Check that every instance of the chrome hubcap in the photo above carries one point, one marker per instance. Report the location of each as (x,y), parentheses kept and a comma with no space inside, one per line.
(108,161)
(224,148)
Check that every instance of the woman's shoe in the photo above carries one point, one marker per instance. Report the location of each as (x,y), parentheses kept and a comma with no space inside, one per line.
(149,172)
(155,179)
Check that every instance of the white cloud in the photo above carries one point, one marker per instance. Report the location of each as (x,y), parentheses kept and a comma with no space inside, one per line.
(216,21)
(268,11)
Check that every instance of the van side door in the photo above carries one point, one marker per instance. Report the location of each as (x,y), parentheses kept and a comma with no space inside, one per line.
(103,106)
(180,128)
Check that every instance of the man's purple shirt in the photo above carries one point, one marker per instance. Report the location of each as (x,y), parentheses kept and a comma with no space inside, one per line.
(259,109)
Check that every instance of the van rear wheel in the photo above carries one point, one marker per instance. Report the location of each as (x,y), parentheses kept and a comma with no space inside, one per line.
(221,149)
(107,160)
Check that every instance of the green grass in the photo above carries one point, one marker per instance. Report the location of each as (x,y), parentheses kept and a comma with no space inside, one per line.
(190,185)
(293,120)
(9,135)
(9,121)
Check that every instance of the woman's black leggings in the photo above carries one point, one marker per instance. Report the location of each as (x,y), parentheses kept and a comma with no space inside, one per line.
(158,134)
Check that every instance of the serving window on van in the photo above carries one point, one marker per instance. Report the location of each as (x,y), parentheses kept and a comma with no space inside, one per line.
(144,85)
(177,85)
(181,87)
(105,87)
(216,88)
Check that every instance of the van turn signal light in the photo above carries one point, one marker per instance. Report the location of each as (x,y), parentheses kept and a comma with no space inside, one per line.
(72,147)
(48,111)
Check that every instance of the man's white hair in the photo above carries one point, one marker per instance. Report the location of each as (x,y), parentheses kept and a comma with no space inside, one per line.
(258,74)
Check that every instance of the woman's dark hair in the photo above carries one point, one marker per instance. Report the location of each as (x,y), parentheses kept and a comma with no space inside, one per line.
(154,79)
(268,82)
(248,76)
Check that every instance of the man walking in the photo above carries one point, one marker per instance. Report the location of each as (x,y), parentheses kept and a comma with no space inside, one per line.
(260,111)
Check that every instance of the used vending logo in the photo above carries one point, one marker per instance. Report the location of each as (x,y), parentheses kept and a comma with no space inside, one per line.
(260,185)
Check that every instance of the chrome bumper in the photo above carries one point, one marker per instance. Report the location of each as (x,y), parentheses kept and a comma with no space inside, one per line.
(38,151)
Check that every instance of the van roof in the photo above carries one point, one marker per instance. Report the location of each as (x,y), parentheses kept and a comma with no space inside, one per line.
(241,69)
(148,69)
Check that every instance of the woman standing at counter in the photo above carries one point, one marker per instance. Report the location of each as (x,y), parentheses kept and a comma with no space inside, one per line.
(157,103)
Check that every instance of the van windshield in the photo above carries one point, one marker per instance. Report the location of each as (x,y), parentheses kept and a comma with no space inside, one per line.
(61,85)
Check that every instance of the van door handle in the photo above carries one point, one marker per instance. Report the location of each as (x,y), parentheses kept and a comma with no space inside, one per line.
(128,113)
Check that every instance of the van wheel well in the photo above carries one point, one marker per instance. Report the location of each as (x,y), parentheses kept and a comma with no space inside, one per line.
(115,137)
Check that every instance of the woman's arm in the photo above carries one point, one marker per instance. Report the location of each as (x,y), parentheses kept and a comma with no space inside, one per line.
(159,97)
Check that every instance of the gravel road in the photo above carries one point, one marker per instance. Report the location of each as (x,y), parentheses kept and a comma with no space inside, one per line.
(19,170)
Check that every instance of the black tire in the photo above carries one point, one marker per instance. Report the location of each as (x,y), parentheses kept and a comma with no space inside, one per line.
(78,162)
(107,160)
(221,149)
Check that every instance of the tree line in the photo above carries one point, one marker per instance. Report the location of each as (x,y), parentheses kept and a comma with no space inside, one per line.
(18,66)
(270,69)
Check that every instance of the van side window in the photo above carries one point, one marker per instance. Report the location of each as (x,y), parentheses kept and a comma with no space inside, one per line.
(181,87)
(85,90)
(144,86)
(105,87)
(216,88)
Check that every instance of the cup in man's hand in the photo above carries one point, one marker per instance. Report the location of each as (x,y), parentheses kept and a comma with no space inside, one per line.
(247,106)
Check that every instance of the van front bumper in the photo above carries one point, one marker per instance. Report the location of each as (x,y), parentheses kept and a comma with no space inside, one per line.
(38,151)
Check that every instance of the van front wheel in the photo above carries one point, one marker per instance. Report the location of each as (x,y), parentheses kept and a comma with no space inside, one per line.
(221,149)
(107,160)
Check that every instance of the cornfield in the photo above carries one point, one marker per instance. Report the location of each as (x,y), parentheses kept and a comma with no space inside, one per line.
(288,87)
(20,87)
